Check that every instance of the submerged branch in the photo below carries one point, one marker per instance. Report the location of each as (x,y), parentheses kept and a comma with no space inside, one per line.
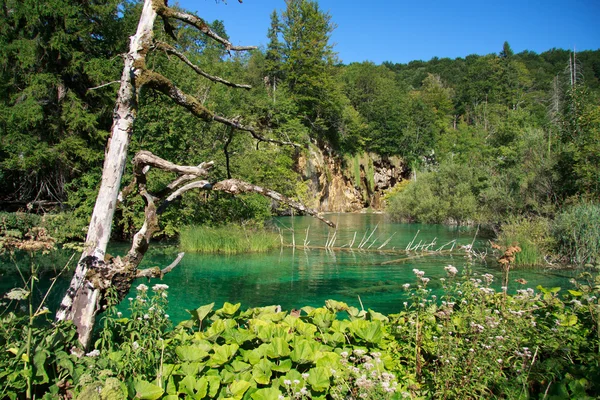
(156,272)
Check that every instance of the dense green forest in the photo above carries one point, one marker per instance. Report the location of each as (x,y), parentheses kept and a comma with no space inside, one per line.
(505,141)
(485,138)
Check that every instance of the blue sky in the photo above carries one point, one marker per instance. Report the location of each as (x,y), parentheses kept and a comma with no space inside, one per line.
(400,31)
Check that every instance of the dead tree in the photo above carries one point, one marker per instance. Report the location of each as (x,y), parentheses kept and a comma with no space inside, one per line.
(94,274)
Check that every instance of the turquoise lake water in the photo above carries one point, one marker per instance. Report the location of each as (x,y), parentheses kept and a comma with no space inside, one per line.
(298,277)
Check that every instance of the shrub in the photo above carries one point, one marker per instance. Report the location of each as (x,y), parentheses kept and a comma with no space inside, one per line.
(447,195)
(533,237)
(577,233)
(18,221)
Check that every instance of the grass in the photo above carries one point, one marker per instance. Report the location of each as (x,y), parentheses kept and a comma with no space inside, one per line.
(229,239)
(533,237)
(577,233)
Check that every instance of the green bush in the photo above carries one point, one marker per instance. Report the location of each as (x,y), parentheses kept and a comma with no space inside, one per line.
(577,233)
(18,221)
(229,239)
(65,226)
(533,237)
(446,195)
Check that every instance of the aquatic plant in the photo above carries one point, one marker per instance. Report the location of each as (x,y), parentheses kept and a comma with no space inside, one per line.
(230,239)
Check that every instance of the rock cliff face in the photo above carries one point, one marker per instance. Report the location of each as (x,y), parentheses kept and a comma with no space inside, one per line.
(335,184)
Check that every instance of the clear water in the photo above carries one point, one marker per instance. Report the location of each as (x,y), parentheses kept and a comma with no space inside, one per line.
(294,278)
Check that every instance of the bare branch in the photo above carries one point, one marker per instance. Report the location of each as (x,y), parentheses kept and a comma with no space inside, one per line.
(156,81)
(252,131)
(103,85)
(235,186)
(171,50)
(157,272)
(145,158)
(167,12)
(189,186)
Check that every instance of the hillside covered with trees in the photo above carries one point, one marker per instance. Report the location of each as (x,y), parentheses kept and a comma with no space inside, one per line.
(484,138)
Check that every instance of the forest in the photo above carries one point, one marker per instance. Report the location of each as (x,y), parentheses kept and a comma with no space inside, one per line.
(507,142)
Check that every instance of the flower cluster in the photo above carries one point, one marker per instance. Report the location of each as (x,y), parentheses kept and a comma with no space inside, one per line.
(363,377)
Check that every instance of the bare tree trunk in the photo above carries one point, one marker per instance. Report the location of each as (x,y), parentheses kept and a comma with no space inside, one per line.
(94,274)
(81,303)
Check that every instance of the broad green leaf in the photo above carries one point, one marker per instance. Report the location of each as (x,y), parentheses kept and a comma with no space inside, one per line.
(266,394)
(355,313)
(255,355)
(147,391)
(201,387)
(373,315)
(200,313)
(336,305)
(307,309)
(304,351)
(323,318)
(229,309)
(261,372)
(305,329)
(222,354)
(576,293)
(318,378)
(369,331)
(238,336)
(238,388)
(278,348)
(188,385)
(191,353)
(567,320)
(214,382)
(239,366)
(39,360)
(191,368)
(215,330)
(282,366)
(329,360)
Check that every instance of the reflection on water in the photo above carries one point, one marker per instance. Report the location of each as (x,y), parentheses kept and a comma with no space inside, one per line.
(294,278)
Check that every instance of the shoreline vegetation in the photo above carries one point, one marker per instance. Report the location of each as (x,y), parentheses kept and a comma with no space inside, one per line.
(470,341)
(228,240)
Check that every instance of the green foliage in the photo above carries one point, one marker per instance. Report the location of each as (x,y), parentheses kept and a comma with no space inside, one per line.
(21,222)
(448,195)
(576,230)
(532,235)
(54,129)
(228,239)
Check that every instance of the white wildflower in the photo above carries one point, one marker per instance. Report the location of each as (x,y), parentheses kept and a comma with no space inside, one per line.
(451,270)
(418,273)
(141,287)
(93,353)
(160,286)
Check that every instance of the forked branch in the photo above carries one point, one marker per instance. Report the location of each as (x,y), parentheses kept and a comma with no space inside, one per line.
(198,23)
(156,81)
(167,48)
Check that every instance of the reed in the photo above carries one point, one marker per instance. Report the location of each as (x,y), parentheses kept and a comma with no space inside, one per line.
(533,237)
(577,233)
(229,239)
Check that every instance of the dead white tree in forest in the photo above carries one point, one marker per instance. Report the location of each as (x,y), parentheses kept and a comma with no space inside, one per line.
(95,274)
